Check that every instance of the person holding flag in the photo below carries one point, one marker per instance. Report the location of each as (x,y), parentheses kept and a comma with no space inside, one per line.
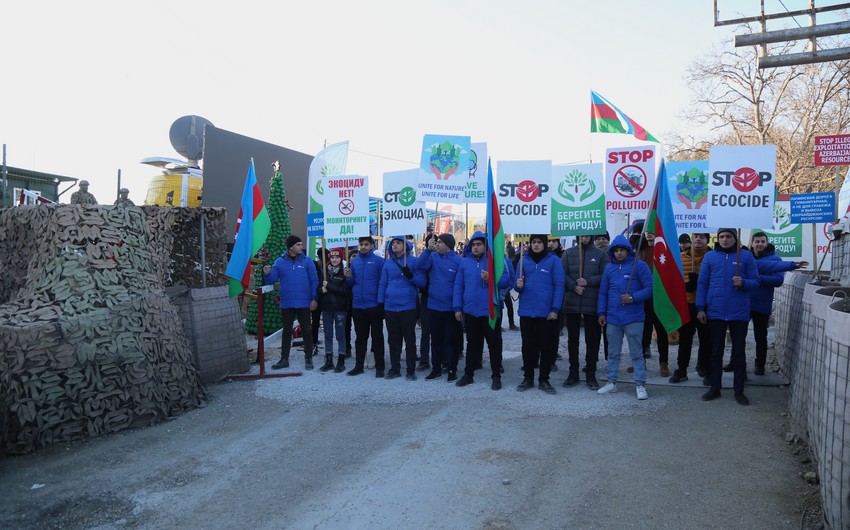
(472,304)
(297,273)
(691,263)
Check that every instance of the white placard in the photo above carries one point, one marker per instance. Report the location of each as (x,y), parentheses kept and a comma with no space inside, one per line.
(523,190)
(346,203)
(741,185)
(402,213)
(629,179)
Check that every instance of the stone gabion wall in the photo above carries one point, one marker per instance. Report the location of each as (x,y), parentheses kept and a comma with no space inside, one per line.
(89,342)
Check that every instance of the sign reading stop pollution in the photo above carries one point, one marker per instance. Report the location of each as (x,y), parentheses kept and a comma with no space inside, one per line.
(832,150)
(402,213)
(741,185)
(578,200)
(629,179)
(445,166)
(346,203)
(525,201)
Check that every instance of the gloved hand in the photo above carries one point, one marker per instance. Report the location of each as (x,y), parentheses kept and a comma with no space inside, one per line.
(691,284)
(407,272)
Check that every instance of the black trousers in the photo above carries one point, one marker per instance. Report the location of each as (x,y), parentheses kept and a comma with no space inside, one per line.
(509,307)
(425,325)
(760,323)
(288,317)
(478,330)
(316,317)
(368,322)
(738,331)
(537,344)
(686,342)
(401,325)
(444,340)
(650,322)
(592,337)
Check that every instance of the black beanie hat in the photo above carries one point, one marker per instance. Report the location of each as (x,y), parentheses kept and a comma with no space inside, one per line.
(292,240)
(542,237)
(684,238)
(448,239)
(732,231)
(366,238)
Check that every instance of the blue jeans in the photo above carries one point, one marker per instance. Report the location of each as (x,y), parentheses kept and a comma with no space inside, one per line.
(633,333)
(334,322)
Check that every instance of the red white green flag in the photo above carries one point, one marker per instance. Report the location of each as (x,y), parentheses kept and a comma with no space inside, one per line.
(668,283)
(252,229)
(495,249)
(607,118)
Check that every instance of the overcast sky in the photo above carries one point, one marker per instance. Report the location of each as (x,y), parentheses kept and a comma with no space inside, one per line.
(92,87)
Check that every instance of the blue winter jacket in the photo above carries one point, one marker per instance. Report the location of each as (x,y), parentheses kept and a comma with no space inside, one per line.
(366,271)
(511,273)
(471,294)
(716,295)
(442,270)
(543,286)
(771,271)
(615,283)
(395,291)
(299,283)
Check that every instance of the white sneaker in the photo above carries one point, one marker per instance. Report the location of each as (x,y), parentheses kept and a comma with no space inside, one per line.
(609,388)
(641,392)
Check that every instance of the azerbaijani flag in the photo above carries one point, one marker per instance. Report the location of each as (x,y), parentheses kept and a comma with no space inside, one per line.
(606,118)
(251,232)
(495,248)
(668,283)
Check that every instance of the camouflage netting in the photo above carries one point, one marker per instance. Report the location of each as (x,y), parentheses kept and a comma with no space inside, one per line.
(89,342)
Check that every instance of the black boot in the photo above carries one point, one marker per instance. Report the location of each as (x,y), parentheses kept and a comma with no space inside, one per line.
(282,363)
(592,383)
(329,363)
(308,361)
(340,364)
(572,379)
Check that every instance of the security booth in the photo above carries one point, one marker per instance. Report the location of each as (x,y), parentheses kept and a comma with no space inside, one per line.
(32,185)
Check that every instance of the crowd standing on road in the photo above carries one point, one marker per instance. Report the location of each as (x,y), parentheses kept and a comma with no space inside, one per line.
(602,286)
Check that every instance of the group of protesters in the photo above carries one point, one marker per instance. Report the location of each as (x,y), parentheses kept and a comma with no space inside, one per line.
(603,286)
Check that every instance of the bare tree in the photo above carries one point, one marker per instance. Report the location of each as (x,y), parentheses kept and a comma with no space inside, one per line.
(735,103)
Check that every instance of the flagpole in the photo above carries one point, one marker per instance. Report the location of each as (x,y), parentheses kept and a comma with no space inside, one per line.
(580,259)
(324,263)
(519,275)
(642,235)
(738,253)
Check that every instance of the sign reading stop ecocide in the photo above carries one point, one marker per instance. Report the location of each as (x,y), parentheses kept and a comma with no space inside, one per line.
(832,150)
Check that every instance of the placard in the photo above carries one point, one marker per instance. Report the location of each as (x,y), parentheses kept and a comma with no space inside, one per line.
(688,185)
(629,179)
(741,185)
(578,200)
(402,213)
(523,193)
(444,163)
(346,204)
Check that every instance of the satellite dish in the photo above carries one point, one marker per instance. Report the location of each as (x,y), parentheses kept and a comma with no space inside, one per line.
(187,137)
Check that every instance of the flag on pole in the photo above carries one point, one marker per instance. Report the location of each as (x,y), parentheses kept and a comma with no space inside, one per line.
(668,283)
(606,118)
(252,229)
(495,249)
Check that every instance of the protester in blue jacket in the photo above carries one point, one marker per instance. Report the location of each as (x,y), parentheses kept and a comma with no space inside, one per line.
(442,264)
(771,271)
(626,285)
(364,275)
(540,284)
(298,297)
(726,277)
(472,301)
(398,291)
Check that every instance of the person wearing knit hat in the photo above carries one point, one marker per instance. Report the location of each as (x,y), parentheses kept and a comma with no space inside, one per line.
(298,273)
(448,239)
(363,276)
(726,277)
(334,298)
(602,241)
(691,263)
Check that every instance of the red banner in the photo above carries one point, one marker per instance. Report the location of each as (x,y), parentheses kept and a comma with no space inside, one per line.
(832,150)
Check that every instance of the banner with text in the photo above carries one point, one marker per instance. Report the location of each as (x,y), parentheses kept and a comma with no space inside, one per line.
(445,164)
(741,185)
(578,200)
(476,184)
(832,150)
(330,161)
(688,185)
(402,213)
(794,241)
(629,179)
(524,196)
(346,204)
(844,197)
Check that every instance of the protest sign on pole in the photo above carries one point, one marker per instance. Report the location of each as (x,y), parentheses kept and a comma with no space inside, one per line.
(524,194)
(402,212)
(346,204)
(629,179)
(578,200)
(742,181)
(786,237)
(476,184)
(688,185)
(832,150)
(445,165)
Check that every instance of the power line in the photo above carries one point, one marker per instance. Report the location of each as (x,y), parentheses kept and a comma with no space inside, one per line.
(384,157)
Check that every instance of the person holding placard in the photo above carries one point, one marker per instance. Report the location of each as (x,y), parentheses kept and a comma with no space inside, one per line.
(727,276)
(397,292)
(363,276)
(691,263)
(540,284)
(472,306)
(297,273)
(626,285)
(334,300)
(442,264)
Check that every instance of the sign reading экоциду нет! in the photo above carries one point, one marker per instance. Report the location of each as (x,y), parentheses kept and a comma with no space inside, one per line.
(741,185)
(346,203)
(832,150)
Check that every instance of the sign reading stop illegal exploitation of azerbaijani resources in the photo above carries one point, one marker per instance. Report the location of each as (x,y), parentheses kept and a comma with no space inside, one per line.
(523,193)
(741,185)
(346,203)
(402,213)
(629,179)
(832,150)
(578,200)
